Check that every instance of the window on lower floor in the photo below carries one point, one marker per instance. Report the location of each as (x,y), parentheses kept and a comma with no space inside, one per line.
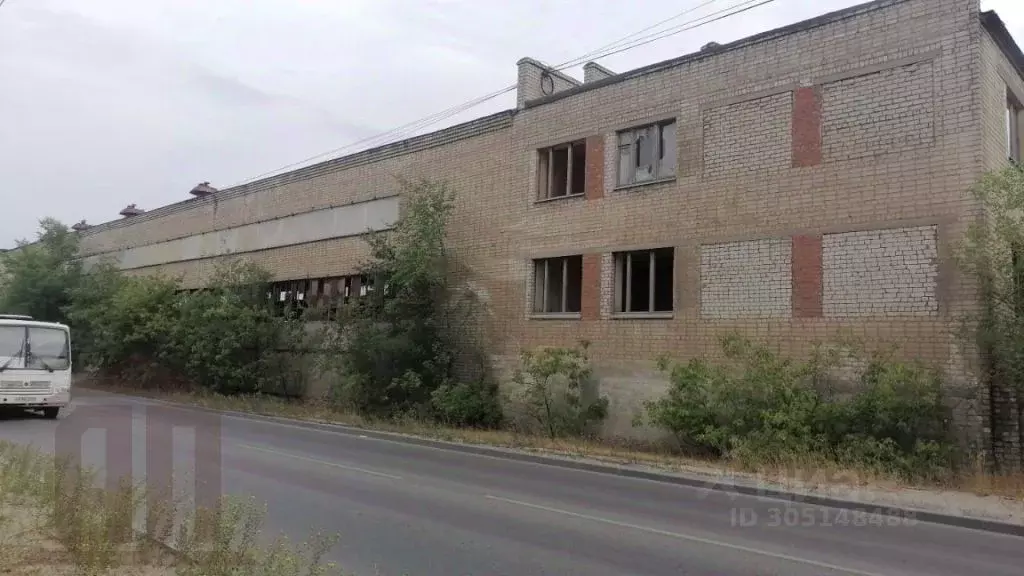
(558,285)
(1017,279)
(562,170)
(644,281)
(1013,118)
(291,296)
(326,294)
(647,153)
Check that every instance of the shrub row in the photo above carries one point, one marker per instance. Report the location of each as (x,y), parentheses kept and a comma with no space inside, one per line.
(225,338)
(759,408)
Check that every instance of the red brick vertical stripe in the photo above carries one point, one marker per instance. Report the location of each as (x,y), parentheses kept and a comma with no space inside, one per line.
(807,277)
(806,127)
(595,167)
(590,293)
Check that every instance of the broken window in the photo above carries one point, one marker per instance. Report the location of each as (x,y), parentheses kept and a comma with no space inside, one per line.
(644,281)
(558,285)
(562,170)
(1013,144)
(290,297)
(647,153)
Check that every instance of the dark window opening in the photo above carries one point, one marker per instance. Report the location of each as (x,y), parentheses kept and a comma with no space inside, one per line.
(562,170)
(558,285)
(644,281)
(1013,135)
(1017,262)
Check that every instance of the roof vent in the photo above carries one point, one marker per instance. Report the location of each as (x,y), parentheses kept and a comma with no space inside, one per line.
(131,210)
(80,226)
(203,189)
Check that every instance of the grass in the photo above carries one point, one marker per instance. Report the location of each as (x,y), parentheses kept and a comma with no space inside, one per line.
(811,474)
(55,521)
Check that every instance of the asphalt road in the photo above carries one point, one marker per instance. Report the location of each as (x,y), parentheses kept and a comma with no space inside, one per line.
(406,509)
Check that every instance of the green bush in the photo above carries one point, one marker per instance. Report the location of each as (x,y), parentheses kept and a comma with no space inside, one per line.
(467,404)
(553,384)
(118,320)
(395,353)
(758,408)
(225,338)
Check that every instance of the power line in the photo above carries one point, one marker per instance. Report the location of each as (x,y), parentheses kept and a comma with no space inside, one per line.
(618,47)
(2,3)
(448,113)
(742,7)
(411,127)
(624,39)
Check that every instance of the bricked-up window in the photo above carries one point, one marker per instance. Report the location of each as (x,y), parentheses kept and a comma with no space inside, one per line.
(1013,116)
(647,153)
(562,170)
(557,285)
(644,281)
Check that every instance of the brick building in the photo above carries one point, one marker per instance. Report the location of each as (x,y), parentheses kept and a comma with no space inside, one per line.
(788,185)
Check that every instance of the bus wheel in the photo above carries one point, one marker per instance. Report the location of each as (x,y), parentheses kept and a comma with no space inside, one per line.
(51,413)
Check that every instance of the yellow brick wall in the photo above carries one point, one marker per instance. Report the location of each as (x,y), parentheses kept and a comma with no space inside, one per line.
(902,142)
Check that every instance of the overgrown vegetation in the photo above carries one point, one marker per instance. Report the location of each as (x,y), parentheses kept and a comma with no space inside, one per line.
(557,391)
(54,520)
(224,338)
(410,349)
(413,349)
(758,408)
(993,255)
(37,277)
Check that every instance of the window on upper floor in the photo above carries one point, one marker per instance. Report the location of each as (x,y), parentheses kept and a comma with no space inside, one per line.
(1013,118)
(647,153)
(557,285)
(644,281)
(562,170)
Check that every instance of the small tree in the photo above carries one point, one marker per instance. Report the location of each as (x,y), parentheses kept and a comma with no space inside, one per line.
(38,277)
(993,254)
(227,338)
(552,383)
(398,346)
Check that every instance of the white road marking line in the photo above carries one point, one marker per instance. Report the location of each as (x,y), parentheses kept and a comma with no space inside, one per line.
(688,537)
(318,461)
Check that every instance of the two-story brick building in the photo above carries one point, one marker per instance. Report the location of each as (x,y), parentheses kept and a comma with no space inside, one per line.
(804,180)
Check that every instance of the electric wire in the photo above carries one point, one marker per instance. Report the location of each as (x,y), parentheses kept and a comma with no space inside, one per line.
(617,47)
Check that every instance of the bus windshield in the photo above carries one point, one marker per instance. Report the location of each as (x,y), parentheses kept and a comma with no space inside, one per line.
(33,348)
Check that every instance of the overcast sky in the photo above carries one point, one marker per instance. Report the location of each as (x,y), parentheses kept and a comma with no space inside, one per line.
(109,102)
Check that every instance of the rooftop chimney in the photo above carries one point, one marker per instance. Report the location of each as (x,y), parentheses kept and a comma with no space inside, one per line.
(80,226)
(537,80)
(131,210)
(592,71)
(203,189)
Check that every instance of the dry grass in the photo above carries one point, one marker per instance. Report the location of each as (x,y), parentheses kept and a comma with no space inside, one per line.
(54,521)
(807,476)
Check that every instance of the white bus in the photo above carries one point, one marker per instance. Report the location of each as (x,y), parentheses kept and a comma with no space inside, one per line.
(35,365)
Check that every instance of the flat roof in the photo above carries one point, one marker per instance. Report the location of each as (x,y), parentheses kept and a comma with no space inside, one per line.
(990,20)
(994,24)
